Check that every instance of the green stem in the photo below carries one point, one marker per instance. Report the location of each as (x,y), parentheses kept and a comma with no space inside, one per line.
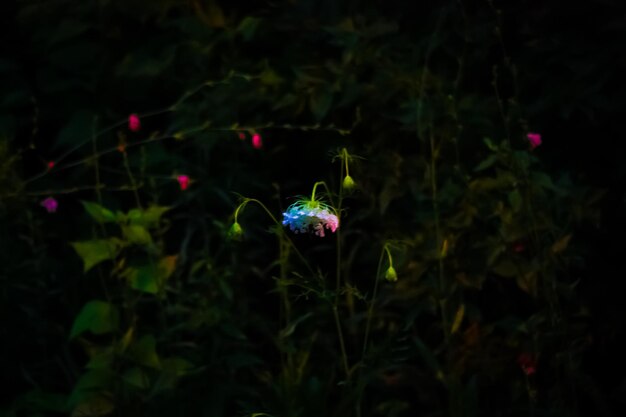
(370,311)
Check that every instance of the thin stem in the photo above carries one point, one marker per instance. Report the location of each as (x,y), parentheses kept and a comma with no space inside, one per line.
(370,311)
(131,177)
(342,344)
(344,355)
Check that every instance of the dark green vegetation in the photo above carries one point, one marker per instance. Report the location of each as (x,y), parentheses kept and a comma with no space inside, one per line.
(138,297)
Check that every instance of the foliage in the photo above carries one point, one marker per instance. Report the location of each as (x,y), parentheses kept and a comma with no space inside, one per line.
(444,280)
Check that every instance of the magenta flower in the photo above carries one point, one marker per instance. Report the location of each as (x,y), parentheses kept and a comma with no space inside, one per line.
(50,204)
(534,139)
(257,142)
(183,181)
(133,122)
(528,363)
(241,135)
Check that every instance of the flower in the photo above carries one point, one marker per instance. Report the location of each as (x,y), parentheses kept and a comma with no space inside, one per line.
(534,139)
(133,123)
(391,275)
(528,363)
(257,142)
(50,204)
(235,232)
(348,183)
(241,135)
(183,181)
(50,165)
(310,215)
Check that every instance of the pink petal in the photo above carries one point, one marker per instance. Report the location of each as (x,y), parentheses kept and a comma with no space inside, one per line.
(534,139)
(133,122)
(183,181)
(257,142)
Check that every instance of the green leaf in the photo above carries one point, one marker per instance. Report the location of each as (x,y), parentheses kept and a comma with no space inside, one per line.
(98,317)
(177,366)
(94,405)
(247,27)
(319,102)
(77,129)
(151,278)
(429,358)
(137,378)
(486,163)
(515,199)
(99,213)
(506,268)
(458,319)
(95,251)
(147,218)
(144,353)
(37,400)
(137,234)
(561,244)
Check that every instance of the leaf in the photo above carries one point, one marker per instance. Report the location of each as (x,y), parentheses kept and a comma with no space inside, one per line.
(99,213)
(506,268)
(95,405)
(144,353)
(95,251)
(177,366)
(528,282)
(137,234)
(486,163)
(151,278)
(288,331)
(429,358)
(561,244)
(458,319)
(37,400)
(515,199)
(319,102)
(137,378)
(147,218)
(97,316)
(248,26)
(77,129)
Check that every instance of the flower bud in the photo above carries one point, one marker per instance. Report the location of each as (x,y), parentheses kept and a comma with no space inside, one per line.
(235,232)
(348,183)
(391,274)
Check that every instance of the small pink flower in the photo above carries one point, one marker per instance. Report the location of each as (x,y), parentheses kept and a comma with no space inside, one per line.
(257,142)
(50,204)
(534,139)
(133,122)
(528,363)
(241,135)
(50,165)
(183,181)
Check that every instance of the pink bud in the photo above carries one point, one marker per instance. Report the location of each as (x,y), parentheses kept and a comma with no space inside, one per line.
(528,363)
(133,122)
(50,204)
(241,135)
(50,165)
(534,139)
(183,181)
(257,142)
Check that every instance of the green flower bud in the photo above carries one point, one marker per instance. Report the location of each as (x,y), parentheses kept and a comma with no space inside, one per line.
(391,274)
(235,232)
(348,183)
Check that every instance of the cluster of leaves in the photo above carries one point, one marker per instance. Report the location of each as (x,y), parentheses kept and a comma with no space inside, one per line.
(173,317)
